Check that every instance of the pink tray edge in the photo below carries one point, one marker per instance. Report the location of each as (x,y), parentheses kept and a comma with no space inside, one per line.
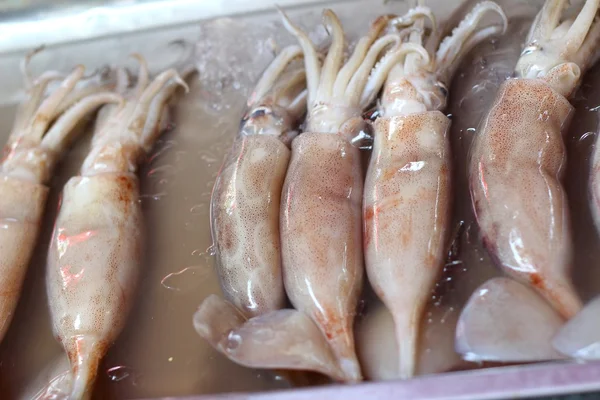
(492,383)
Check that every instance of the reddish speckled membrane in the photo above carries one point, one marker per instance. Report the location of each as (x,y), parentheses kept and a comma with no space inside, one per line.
(493,383)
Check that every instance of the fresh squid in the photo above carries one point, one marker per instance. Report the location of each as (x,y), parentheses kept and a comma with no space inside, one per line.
(378,351)
(407,199)
(517,164)
(321,225)
(53,382)
(96,247)
(320,221)
(580,337)
(529,312)
(41,134)
(246,196)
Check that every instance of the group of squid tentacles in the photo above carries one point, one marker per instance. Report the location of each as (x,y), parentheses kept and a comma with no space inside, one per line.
(294,216)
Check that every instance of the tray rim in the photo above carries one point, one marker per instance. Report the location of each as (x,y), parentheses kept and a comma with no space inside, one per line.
(79,21)
(542,379)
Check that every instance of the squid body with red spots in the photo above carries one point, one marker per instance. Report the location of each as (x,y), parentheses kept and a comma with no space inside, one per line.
(246,196)
(517,164)
(518,156)
(407,199)
(96,248)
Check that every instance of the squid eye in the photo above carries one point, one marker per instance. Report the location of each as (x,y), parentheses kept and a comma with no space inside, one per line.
(530,49)
(443,90)
(260,112)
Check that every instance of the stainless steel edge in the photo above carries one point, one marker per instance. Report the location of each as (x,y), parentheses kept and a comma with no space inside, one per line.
(550,379)
(77,22)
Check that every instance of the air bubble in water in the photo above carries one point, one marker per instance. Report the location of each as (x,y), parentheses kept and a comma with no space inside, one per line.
(211,250)
(121,372)
(587,135)
(233,341)
(155,196)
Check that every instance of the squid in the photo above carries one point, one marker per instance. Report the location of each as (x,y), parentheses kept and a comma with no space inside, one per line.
(97,242)
(246,196)
(320,220)
(246,200)
(580,337)
(42,132)
(378,351)
(408,188)
(517,165)
(53,382)
(529,312)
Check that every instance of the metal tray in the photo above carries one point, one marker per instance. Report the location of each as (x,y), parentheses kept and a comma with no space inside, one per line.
(97,33)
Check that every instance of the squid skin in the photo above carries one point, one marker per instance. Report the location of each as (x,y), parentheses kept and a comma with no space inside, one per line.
(408,190)
(579,338)
(245,223)
(321,237)
(595,186)
(516,169)
(517,164)
(21,209)
(518,157)
(52,383)
(407,207)
(93,264)
(246,196)
(97,242)
(487,332)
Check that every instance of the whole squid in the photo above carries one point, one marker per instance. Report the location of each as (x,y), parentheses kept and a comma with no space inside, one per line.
(518,157)
(246,196)
(41,134)
(407,199)
(97,243)
(516,168)
(320,221)
(580,337)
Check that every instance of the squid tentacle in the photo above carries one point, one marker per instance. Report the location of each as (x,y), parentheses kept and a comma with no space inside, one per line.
(143,74)
(273,72)
(333,60)
(358,55)
(546,21)
(47,110)
(460,41)
(57,137)
(311,57)
(381,70)
(151,128)
(358,81)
